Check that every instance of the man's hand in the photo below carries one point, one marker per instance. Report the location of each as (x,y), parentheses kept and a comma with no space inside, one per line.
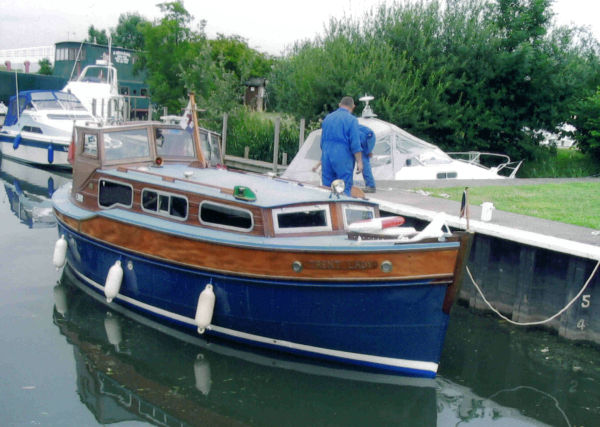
(359,166)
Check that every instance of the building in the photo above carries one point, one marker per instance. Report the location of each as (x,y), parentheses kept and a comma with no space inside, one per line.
(254,96)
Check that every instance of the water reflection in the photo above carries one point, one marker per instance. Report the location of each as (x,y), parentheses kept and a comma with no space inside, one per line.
(134,369)
(29,190)
(131,368)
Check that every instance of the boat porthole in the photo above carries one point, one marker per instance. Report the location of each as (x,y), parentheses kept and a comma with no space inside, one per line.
(129,265)
(386,266)
(297,266)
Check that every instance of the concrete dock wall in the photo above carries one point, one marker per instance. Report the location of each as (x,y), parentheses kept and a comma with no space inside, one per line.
(528,268)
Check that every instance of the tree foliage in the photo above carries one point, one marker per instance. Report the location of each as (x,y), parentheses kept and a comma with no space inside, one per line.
(45,67)
(97,36)
(465,74)
(128,32)
(587,122)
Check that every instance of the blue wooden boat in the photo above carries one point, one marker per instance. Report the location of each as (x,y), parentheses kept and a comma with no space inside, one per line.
(153,222)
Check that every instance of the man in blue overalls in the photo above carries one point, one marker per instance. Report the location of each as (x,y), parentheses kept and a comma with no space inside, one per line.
(367,143)
(340,145)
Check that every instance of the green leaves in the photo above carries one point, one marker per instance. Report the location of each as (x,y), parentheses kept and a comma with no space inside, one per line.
(464,74)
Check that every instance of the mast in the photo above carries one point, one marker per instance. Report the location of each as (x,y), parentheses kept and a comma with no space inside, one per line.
(196,134)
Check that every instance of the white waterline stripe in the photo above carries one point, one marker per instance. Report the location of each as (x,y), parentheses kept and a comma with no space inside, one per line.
(379,360)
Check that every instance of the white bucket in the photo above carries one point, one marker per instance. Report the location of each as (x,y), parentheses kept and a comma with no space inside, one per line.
(486,211)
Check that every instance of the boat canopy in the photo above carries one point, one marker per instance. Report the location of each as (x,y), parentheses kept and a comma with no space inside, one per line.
(43,100)
(394,149)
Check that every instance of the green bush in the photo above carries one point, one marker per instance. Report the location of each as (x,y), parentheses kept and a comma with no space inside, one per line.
(256,130)
(559,163)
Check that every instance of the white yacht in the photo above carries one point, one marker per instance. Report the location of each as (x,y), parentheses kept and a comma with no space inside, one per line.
(398,155)
(97,88)
(38,127)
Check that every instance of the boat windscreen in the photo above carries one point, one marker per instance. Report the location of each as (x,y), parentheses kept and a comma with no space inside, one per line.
(69,101)
(314,151)
(45,101)
(126,145)
(172,142)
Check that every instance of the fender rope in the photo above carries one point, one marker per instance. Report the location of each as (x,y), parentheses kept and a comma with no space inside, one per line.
(540,322)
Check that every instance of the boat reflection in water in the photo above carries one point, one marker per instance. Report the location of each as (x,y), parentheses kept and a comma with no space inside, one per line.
(29,189)
(132,368)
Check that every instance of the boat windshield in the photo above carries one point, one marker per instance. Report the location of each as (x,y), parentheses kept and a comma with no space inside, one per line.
(173,142)
(126,145)
(56,101)
(97,74)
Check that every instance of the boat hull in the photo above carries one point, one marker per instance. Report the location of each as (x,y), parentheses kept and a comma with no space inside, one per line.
(36,151)
(394,325)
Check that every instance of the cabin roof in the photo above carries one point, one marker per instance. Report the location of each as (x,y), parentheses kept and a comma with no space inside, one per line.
(269,192)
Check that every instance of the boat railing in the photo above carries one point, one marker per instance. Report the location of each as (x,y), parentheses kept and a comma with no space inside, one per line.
(492,161)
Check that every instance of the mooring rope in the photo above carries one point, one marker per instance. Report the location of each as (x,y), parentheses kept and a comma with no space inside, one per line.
(540,322)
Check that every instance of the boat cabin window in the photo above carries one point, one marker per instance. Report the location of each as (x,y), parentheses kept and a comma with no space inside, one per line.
(32,129)
(165,204)
(226,216)
(174,143)
(444,175)
(126,144)
(210,143)
(111,193)
(302,219)
(354,213)
(90,145)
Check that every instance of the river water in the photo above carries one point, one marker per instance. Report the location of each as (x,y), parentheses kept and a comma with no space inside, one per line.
(68,360)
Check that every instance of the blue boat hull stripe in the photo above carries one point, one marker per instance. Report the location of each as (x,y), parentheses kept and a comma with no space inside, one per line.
(415,365)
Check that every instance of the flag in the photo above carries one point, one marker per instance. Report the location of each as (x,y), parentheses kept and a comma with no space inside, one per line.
(187,120)
(463,204)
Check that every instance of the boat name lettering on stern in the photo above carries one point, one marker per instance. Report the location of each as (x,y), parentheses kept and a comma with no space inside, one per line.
(340,265)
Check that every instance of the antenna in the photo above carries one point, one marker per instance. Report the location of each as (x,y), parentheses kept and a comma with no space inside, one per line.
(367,111)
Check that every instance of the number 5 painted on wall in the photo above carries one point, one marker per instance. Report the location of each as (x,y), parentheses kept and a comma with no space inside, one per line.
(585,301)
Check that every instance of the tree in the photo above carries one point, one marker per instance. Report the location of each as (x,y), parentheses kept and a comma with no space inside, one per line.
(45,67)
(172,53)
(465,74)
(97,36)
(234,55)
(128,32)
(587,122)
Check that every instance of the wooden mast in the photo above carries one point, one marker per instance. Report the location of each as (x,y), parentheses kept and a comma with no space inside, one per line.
(197,130)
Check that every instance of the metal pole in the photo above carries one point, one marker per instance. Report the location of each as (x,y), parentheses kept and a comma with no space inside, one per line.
(17,94)
(302,126)
(276,144)
(224,135)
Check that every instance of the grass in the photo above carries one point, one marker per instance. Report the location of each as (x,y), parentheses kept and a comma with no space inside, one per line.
(571,203)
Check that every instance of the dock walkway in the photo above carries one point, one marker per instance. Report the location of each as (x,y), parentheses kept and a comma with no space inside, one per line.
(403,198)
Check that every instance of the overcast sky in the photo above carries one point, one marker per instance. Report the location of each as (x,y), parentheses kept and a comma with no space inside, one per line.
(268,25)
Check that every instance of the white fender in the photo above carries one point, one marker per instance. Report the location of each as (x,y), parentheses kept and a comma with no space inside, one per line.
(113,281)
(202,374)
(60,299)
(112,326)
(205,308)
(60,252)
(376,224)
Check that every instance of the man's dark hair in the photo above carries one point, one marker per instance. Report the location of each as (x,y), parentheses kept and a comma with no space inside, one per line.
(347,101)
